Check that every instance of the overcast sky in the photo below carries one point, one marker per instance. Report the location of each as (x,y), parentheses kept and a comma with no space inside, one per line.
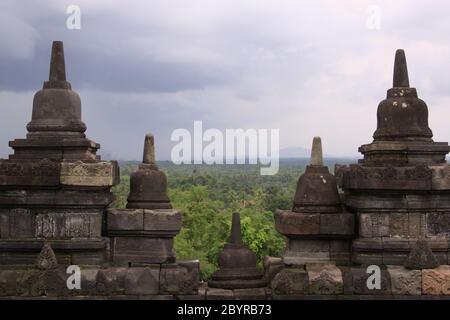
(305,67)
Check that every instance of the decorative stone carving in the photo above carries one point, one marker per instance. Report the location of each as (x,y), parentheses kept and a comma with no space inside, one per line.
(436,281)
(421,257)
(291,281)
(404,281)
(324,279)
(142,281)
(46,259)
(80,173)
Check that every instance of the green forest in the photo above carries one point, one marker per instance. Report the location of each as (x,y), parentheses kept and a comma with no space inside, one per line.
(207,195)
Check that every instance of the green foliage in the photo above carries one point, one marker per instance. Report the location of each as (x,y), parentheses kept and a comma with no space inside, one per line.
(208,195)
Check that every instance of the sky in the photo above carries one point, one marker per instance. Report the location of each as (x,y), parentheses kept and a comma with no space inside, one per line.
(307,68)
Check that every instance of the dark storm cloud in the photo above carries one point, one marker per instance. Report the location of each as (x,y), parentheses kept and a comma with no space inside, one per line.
(103,54)
(305,67)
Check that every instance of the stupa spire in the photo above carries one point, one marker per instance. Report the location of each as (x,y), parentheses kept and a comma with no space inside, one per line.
(149,149)
(236,234)
(401,78)
(316,152)
(57,64)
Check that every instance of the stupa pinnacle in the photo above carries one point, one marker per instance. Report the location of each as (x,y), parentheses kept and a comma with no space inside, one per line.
(149,150)
(401,78)
(57,65)
(236,234)
(316,152)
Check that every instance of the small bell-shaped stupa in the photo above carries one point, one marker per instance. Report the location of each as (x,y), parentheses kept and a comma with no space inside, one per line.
(403,136)
(317,228)
(148,185)
(56,131)
(402,115)
(316,188)
(237,263)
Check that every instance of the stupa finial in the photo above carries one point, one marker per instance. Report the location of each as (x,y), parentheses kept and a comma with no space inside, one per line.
(236,234)
(149,149)
(401,79)
(57,64)
(316,152)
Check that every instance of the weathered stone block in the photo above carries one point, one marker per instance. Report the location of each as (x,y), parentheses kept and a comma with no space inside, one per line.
(89,258)
(142,281)
(143,250)
(162,220)
(436,281)
(404,281)
(30,283)
(438,223)
(125,219)
(292,223)
(272,265)
(347,280)
(440,177)
(396,244)
(219,294)
(302,251)
(250,294)
(337,224)
(360,282)
(88,282)
(180,278)
(290,281)
(373,225)
(111,281)
(399,178)
(324,279)
(398,224)
(8,279)
(393,258)
(366,244)
(95,174)
(367,258)
(66,224)
(41,172)
(22,223)
(417,225)
(56,282)
(340,251)
(4,224)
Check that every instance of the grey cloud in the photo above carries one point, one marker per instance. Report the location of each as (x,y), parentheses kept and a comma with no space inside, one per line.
(307,68)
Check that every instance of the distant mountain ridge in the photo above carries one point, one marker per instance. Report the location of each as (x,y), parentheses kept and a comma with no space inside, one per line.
(298,152)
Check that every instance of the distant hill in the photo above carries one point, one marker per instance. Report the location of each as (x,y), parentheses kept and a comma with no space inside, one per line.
(298,152)
(294,152)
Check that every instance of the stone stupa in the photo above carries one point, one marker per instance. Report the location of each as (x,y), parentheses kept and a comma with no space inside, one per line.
(237,263)
(317,229)
(400,190)
(54,189)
